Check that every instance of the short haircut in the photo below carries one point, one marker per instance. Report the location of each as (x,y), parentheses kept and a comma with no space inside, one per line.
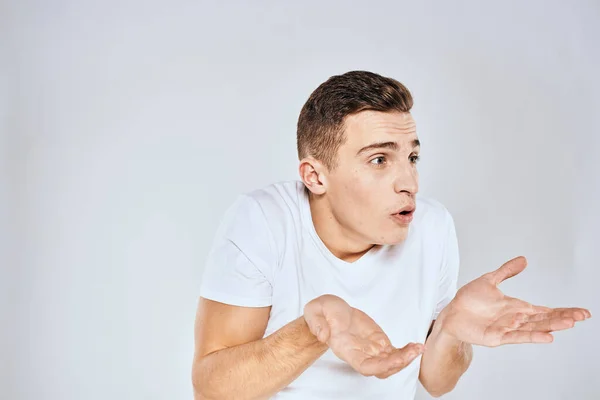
(320,131)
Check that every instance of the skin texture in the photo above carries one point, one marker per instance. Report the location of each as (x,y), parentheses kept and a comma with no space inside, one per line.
(480,314)
(233,361)
(352,206)
(355,338)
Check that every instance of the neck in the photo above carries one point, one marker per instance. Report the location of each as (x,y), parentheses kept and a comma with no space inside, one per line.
(341,243)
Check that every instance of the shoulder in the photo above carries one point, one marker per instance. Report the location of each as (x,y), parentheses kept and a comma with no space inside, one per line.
(279,203)
(277,197)
(264,213)
(266,202)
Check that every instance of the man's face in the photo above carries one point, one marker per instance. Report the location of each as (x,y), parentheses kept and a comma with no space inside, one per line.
(375,176)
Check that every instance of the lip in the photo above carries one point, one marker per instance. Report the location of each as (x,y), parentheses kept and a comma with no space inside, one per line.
(408,207)
(404,219)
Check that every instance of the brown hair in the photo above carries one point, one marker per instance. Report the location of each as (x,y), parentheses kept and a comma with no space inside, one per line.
(320,130)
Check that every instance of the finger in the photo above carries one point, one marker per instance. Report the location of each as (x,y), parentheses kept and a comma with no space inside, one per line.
(579,314)
(399,367)
(517,337)
(319,327)
(542,322)
(518,305)
(542,309)
(543,316)
(510,321)
(509,269)
(548,325)
(395,361)
(414,347)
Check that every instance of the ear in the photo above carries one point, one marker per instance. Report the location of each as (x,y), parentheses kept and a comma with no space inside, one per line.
(312,173)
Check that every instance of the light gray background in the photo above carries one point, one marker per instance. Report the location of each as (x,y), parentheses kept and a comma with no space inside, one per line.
(129,126)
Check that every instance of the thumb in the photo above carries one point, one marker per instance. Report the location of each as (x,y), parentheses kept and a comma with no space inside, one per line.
(509,269)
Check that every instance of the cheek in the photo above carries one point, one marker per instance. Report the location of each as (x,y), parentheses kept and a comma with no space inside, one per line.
(356,203)
(369,188)
(360,192)
(360,197)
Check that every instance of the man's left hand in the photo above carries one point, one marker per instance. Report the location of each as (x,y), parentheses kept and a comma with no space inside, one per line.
(481,314)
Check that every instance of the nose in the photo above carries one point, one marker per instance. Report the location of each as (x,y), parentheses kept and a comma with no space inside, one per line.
(406,180)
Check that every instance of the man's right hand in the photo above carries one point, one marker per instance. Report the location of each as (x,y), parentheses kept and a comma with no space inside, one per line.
(356,339)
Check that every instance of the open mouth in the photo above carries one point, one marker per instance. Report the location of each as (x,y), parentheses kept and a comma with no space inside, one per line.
(404,217)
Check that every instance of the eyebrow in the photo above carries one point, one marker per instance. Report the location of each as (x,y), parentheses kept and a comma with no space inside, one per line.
(386,145)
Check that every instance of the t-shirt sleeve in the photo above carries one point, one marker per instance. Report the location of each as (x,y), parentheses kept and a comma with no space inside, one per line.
(240,263)
(449,269)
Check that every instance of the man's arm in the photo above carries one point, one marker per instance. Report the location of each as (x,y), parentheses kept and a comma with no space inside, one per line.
(233,361)
(445,360)
(480,314)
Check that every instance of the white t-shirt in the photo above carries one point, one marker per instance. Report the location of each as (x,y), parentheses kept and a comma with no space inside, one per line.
(267,253)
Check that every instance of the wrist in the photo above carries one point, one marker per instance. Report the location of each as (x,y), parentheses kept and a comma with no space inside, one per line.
(442,340)
(440,331)
(308,335)
(440,337)
(310,339)
(296,337)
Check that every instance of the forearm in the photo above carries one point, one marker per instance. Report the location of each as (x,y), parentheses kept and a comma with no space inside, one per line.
(445,360)
(258,369)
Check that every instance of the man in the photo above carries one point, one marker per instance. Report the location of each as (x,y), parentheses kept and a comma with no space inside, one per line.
(313,288)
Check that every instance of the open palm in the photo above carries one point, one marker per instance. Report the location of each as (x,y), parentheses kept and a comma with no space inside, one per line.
(481,314)
(355,338)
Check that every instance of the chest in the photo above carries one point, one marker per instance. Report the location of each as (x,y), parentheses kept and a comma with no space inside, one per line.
(397,288)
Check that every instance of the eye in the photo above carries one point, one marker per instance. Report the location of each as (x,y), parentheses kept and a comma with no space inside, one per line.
(415,158)
(378,160)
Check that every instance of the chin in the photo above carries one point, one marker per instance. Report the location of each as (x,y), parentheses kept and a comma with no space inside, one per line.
(397,240)
(393,238)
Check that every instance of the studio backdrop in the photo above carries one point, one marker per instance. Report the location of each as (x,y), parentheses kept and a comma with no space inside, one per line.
(128,127)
